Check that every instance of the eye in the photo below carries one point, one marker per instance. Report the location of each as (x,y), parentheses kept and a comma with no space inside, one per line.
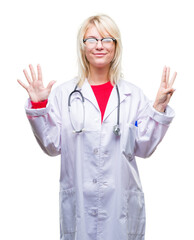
(107,40)
(90,40)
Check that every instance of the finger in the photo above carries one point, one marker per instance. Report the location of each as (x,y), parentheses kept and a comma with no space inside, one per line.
(169,91)
(22,84)
(167,75)
(173,92)
(32,72)
(173,79)
(163,80)
(50,85)
(170,94)
(27,76)
(39,72)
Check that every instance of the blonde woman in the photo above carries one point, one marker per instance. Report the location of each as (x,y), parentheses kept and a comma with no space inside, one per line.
(99,123)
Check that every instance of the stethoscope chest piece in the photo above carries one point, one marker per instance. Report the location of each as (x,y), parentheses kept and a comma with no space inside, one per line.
(116,130)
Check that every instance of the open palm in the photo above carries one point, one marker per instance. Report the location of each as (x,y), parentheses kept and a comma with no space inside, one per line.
(36,90)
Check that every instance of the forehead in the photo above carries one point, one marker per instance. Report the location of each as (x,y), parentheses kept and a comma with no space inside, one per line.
(94,32)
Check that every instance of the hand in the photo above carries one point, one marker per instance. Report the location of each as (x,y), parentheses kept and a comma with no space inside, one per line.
(165,91)
(37,92)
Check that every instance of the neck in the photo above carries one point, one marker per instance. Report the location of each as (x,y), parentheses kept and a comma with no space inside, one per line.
(98,76)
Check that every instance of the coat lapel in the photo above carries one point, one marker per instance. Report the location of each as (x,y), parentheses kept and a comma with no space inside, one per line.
(124,92)
(89,94)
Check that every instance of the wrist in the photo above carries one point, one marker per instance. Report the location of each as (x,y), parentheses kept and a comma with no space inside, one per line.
(159,108)
(41,104)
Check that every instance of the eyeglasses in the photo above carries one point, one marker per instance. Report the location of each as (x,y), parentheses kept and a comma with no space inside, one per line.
(106,42)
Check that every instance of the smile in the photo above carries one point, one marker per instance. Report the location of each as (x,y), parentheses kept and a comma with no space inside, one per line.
(100,54)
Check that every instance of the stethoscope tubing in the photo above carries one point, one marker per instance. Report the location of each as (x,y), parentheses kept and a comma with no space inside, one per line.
(116,128)
(118,110)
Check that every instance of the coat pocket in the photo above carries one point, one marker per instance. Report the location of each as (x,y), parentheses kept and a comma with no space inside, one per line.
(67,212)
(129,141)
(135,214)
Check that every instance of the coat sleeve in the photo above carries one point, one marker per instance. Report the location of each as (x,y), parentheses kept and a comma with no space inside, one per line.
(46,124)
(152,126)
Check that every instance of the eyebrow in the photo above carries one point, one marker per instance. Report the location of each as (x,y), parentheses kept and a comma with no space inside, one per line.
(96,37)
(91,37)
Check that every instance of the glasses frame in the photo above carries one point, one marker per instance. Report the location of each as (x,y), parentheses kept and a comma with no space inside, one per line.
(98,39)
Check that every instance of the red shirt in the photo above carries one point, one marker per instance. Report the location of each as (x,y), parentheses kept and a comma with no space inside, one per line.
(102,93)
(41,104)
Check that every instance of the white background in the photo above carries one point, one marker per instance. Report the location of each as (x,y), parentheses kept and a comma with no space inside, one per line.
(154,34)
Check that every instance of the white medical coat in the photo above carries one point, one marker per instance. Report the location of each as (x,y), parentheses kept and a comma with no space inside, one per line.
(101,196)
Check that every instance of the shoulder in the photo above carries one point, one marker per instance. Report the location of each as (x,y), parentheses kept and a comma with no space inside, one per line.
(134,93)
(128,87)
(68,85)
(65,87)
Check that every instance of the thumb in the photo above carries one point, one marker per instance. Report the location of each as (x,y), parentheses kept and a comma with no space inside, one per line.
(50,85)
(172,92)
(169,91)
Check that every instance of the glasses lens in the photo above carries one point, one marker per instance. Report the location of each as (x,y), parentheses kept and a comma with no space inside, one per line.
(106,42)
(90,42)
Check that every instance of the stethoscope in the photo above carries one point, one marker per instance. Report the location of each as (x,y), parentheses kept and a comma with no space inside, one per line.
(116,128)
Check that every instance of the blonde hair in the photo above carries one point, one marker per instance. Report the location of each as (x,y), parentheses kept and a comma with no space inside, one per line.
(103,23)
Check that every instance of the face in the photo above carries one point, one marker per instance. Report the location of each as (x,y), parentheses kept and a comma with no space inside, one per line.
(98,56)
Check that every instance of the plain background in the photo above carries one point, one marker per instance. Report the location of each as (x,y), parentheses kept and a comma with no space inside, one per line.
(154,34)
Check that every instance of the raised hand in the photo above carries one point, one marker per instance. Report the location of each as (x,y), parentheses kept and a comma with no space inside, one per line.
(165,91)
(36,90)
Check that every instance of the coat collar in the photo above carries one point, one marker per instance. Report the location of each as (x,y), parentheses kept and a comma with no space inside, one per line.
(89,94)
(124,91)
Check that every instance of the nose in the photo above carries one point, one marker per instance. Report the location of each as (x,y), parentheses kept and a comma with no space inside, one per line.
(99,45)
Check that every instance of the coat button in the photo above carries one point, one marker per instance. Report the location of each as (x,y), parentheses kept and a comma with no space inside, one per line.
(129,156)
(94,212)
(94,180)
(95,150)
(106,152)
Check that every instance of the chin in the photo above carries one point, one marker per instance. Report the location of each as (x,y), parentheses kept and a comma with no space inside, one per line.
(100,64)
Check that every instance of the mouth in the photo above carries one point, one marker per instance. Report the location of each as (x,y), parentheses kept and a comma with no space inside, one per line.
(100,54)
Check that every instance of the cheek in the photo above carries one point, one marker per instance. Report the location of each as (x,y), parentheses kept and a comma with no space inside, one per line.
(88,55)
(112,54)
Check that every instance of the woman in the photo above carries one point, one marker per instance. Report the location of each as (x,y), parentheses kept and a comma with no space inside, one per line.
(98,123)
